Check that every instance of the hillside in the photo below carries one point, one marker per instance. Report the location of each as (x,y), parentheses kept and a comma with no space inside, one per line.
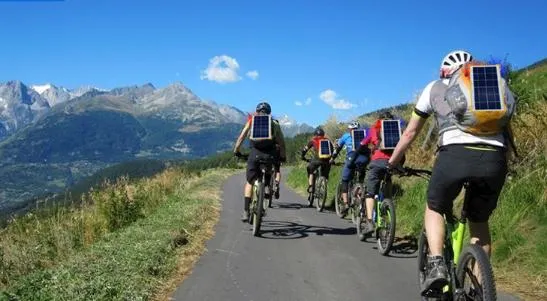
(519,224)
(52,137)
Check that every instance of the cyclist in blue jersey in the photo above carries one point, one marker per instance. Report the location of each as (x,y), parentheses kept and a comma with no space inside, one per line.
(353,160)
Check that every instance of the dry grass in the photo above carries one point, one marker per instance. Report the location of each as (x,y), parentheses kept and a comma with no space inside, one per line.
(207,219)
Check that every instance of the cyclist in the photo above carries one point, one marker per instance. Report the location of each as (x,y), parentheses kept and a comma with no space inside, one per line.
(273,147)
(376,169)
(316,162)
(461,157)
(353,160)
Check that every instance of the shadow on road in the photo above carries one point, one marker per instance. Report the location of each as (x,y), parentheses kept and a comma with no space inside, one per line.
(292,230)
(404,247)
(294,206)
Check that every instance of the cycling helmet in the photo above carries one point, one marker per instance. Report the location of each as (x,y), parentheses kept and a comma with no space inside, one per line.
(264,107)
(319,132)
(386,115)
(453,61)
(354,125)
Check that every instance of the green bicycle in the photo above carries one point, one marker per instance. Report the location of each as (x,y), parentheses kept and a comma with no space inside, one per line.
(470,273)
(383,216)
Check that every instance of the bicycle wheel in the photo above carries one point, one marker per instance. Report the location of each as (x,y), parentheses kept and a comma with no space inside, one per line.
(356,198)
(475,279)
(257,212)
(338,202)
(320,193)
(359,221)
(269,200)
(386,228)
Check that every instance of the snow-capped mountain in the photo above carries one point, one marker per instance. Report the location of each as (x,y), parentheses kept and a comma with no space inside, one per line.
(19,107)
(291,127)
(54,95)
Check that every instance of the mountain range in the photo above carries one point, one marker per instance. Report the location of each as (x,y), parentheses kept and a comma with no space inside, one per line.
(51,136)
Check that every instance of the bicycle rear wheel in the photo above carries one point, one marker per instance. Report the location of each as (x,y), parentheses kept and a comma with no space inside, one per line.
(357,193)
(320,193)
(338,202)
(475,279)
(386,229)
(257,212)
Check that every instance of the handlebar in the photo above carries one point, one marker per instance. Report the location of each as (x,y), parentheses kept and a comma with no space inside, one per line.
(409,171)
(334,163)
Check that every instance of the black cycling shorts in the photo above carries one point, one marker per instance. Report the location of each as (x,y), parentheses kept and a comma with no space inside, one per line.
(376,171)
(485,169)
(253,165)
(316,163)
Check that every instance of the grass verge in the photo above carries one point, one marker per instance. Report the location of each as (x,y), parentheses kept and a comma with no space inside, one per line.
(143,260)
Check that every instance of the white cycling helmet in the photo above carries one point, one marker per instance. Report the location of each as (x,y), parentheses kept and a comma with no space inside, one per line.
(453,61)
(354,125)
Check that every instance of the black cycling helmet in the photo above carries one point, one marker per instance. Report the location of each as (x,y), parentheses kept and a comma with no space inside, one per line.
(264,107)
(319,132)
(386,115)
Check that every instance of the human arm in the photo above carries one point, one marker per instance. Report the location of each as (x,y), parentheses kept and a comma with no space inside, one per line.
(305,149)
(241,138)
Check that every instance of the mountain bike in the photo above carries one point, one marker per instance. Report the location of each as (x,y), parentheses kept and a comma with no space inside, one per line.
(356,192)
(318,194)
(270,188)
(383,215)
(258,205)
(470,272)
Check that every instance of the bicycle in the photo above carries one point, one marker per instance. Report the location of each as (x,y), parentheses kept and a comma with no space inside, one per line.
(356,191)
(258,206)
(457,259)
(318,194)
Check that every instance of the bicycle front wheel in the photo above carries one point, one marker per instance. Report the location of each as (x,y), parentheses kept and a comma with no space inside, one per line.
(257,212)
(386,226)
(320,193)
(475,279)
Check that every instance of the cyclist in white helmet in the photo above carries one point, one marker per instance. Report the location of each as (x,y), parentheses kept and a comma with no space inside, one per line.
(462,157)
(361,160)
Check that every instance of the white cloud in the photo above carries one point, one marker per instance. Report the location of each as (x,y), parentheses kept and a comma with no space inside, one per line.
(253,74)
(330,97)
(222,69)
(306,103)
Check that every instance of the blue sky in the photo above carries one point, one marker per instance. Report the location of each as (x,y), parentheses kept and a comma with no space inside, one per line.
(359,54)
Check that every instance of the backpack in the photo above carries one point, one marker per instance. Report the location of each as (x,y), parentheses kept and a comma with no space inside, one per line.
(476,95)
(323,147)
(263,131)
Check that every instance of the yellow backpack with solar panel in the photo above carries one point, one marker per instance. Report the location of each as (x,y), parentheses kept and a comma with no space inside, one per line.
(479,100)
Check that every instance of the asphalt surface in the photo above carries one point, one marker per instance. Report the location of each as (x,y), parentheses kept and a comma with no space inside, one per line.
(301,255)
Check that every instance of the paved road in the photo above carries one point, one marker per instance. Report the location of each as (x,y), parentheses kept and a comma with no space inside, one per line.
(302,255)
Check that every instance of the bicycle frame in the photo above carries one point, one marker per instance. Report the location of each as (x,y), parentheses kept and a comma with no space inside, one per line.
(385,184)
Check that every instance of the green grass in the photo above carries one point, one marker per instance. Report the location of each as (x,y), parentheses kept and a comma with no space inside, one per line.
(133,261)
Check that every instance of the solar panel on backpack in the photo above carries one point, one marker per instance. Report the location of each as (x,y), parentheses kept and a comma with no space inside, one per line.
(485,84)
(357,136)
(325,149)
(261,127)
(391,133)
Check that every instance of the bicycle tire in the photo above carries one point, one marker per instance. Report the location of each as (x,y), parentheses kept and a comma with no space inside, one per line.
(257,213)
(487,285)
(269,200)
(338,201)
(385,238)
(252,207)
(321,193)
(357,193)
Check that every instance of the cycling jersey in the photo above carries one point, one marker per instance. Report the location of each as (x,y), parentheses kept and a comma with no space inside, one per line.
(426,106)
(347,141)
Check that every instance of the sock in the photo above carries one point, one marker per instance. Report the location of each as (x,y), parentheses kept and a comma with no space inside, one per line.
(247,203)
